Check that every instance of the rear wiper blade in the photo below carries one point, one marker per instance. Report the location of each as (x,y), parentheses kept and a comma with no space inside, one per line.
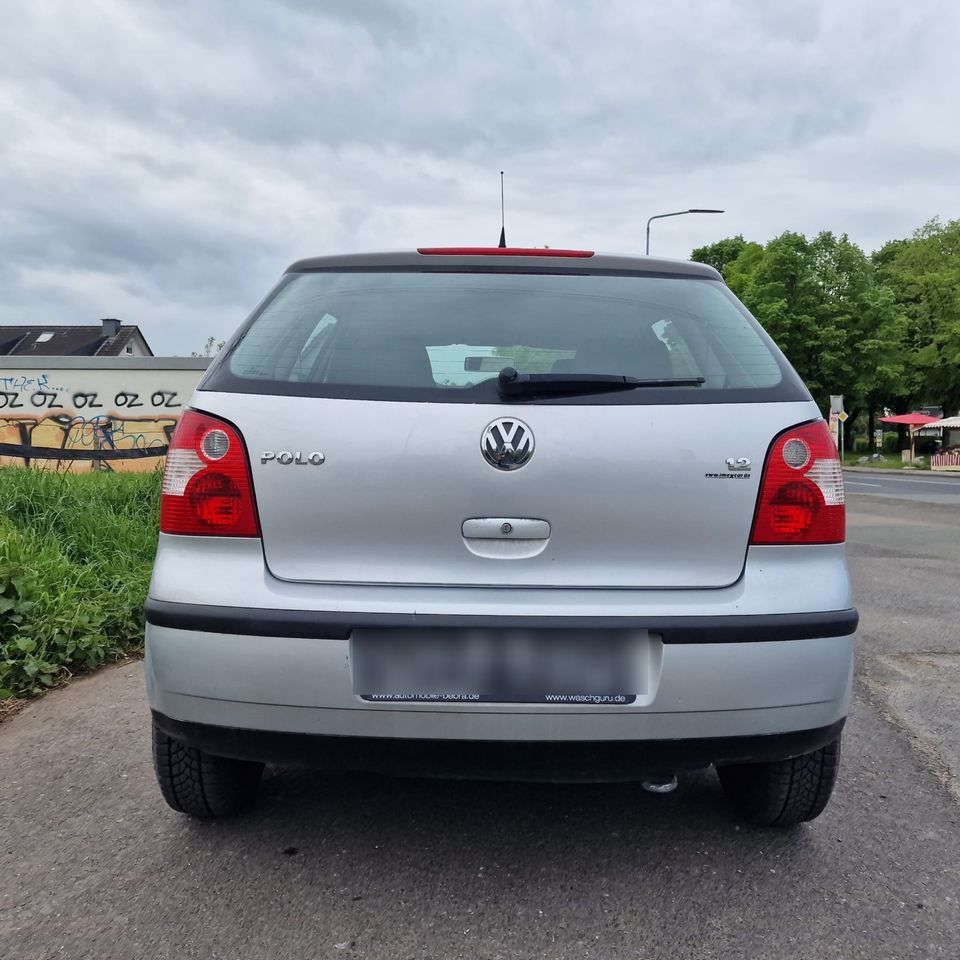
(513,384)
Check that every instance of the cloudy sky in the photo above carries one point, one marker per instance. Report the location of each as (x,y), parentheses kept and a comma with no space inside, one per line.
(163,162)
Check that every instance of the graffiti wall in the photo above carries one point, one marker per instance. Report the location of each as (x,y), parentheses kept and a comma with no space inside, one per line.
(92,413)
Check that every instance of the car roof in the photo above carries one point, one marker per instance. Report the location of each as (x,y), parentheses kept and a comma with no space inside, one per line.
(530,260)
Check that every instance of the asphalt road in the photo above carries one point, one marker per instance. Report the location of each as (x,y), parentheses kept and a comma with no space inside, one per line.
(93,865)
(921,487)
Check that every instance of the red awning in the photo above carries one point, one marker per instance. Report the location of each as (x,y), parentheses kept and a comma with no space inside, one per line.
(910,419)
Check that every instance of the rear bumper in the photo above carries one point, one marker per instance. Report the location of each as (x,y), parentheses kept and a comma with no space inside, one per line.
(759,658)
(472,759)
(690,691)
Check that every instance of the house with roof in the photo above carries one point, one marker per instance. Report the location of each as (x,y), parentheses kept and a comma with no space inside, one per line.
(110,338)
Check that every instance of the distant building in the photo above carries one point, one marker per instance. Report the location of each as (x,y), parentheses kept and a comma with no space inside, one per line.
(110,339)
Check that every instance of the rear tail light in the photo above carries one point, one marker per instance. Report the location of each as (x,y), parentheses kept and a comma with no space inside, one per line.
(207,490)
(801,494)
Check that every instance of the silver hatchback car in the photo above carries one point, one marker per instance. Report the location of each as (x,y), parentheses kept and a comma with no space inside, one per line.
(487,512)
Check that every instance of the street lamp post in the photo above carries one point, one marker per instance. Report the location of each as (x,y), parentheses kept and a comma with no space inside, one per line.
(679,213)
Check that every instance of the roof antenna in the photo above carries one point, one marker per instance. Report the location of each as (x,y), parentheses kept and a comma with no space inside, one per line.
(503,230)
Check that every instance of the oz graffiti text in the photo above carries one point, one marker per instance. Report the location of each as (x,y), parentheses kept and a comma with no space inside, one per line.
(45,400)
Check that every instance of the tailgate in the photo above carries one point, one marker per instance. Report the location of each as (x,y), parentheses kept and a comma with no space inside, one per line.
(625,495)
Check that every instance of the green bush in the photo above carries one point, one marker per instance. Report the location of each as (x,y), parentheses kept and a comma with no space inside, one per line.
(861,445)
(890,443)
(76,552)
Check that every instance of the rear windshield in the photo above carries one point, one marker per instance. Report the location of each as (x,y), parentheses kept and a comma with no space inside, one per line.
(444,337)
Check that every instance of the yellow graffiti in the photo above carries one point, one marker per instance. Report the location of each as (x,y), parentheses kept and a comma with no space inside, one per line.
(80,441)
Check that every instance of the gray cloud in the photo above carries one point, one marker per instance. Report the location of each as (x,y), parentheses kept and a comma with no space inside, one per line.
(164,162)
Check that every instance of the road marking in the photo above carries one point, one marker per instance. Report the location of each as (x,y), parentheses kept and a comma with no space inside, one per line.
(860,483)
(933,483)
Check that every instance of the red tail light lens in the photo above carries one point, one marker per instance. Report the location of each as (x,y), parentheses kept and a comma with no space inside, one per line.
(801,494)
(207,490)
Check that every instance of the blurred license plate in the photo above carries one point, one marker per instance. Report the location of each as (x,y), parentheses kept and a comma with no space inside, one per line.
(500,666)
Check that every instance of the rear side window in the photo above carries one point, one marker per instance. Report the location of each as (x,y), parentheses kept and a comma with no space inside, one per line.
(445,336)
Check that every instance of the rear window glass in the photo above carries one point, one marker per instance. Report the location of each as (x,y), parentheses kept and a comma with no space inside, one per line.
(446,336)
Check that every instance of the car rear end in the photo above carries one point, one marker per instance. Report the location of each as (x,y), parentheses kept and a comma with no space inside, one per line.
(410,520)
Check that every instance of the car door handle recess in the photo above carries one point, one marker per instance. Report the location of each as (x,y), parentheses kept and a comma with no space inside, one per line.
(505,528)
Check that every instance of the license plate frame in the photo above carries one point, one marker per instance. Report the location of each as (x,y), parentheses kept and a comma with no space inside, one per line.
(451,666)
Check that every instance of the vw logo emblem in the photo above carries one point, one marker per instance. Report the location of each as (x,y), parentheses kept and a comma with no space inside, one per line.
(507,444)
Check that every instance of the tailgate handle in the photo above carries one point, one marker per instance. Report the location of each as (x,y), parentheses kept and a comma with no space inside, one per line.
(505,528)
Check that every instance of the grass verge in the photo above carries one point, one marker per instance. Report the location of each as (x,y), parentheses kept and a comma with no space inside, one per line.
(887,462)
(76,552)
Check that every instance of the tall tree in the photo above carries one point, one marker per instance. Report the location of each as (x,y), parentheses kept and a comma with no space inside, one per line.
(779,287)
(820,301)
(719,254)
(923,274)
(883,330)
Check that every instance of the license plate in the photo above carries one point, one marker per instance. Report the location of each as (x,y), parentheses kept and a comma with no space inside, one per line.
(602,667)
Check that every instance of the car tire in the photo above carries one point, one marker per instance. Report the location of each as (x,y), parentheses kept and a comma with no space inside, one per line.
(200,784)
(782,793)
